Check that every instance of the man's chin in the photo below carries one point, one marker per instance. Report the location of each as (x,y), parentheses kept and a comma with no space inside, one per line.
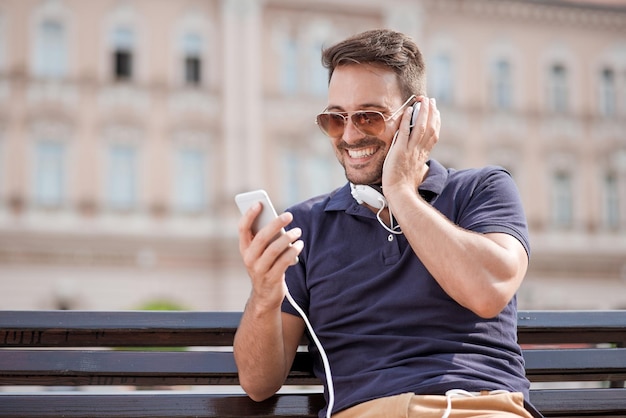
(354,179)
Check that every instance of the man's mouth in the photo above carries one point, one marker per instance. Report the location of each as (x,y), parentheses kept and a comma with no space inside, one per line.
(362,152)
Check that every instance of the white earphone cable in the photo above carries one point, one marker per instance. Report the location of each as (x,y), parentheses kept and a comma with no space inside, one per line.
(318,344)
(394,229)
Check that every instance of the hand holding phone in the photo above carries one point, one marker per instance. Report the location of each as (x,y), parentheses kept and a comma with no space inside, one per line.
(416,111)
(268,213)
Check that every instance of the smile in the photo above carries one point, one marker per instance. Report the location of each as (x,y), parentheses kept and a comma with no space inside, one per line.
(362,153)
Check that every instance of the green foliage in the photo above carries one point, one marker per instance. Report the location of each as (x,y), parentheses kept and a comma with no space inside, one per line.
(161,305)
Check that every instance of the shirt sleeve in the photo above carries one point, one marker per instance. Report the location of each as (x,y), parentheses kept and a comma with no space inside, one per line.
(494,205)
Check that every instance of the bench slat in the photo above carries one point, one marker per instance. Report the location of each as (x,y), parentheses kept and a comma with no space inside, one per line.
(140,328)
(84,367)
(161,405)
(553,403)
(562,327)
(575,364)
(580,402)
(112,329)
(80,367)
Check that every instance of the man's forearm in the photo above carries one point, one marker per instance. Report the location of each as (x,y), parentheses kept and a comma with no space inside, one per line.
(260,352)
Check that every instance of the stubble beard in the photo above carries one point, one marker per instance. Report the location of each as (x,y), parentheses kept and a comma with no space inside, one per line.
(360,174)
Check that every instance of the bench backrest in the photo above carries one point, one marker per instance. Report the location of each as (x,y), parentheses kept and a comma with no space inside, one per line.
(76,349)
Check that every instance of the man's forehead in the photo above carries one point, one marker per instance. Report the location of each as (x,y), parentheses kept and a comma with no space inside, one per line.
(363,85)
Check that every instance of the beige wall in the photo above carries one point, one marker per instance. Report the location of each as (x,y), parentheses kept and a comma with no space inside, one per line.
(251,119)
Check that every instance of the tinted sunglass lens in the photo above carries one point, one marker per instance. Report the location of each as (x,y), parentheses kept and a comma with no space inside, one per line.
(370,123)
(332,124)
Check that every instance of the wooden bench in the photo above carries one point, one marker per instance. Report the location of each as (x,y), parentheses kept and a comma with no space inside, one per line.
(73,360)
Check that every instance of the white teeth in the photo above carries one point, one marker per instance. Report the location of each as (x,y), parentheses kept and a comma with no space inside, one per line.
(361,153)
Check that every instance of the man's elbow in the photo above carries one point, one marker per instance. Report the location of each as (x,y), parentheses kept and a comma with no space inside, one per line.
(256,392)
(490,304)
(488,309)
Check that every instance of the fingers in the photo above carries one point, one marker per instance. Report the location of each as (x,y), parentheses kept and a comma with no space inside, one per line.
(425,132)
(266,233)
(283,251)
(269,253)
(433,125)
(245,225)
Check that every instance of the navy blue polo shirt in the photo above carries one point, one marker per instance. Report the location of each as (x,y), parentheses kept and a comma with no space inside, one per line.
(385,323)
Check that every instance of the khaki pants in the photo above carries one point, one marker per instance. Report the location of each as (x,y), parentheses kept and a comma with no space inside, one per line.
(409,405)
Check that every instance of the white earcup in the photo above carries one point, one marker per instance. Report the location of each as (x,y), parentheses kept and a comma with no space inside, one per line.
(367,194)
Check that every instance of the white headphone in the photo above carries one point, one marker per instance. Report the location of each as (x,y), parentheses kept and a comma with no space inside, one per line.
(367,194)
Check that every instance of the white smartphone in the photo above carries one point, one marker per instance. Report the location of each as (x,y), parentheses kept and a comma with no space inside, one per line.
(416,111)
(246,200)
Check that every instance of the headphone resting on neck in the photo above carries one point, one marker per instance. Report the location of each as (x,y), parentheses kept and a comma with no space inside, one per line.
(367,194)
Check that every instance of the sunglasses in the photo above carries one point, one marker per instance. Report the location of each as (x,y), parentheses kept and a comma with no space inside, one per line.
(368,122)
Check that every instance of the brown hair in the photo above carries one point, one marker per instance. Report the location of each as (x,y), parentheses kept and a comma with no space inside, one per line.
(384,47)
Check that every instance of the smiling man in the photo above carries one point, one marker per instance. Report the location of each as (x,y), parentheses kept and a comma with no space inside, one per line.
(409,272)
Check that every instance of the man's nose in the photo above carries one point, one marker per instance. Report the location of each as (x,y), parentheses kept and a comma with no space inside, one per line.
(350,132)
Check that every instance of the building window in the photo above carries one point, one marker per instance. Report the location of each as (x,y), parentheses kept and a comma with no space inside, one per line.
(502,89)
(122,177)
(49,173)
(192,62)
(190,182)
(123,65)
(2,44)
(441,79)
(562,200)
(608,93)
(558,88)
(193,68)
(50,50)
(123,46)
(621,93)
(611,201)
(290,162)
(289,66)
(2,165)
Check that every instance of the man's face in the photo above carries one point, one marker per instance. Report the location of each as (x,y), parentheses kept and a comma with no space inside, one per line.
(364,87)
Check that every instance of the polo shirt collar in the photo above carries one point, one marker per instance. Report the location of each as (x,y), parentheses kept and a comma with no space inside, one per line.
(430,188)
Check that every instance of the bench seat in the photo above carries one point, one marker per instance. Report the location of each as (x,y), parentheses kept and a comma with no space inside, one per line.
(80,368)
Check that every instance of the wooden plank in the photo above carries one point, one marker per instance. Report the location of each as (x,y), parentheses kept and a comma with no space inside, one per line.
(575,365)
(153,328)
(552,403)
(160,405)
(580,402)
(111,329)
(84,367)
(563,327)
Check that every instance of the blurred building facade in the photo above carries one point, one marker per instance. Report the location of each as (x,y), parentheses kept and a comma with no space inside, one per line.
(127,126)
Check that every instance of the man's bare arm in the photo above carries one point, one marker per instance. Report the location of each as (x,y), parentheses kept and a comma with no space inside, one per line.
(265,346)
(267,339)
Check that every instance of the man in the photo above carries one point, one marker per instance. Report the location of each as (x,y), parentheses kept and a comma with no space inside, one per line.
(411,292)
